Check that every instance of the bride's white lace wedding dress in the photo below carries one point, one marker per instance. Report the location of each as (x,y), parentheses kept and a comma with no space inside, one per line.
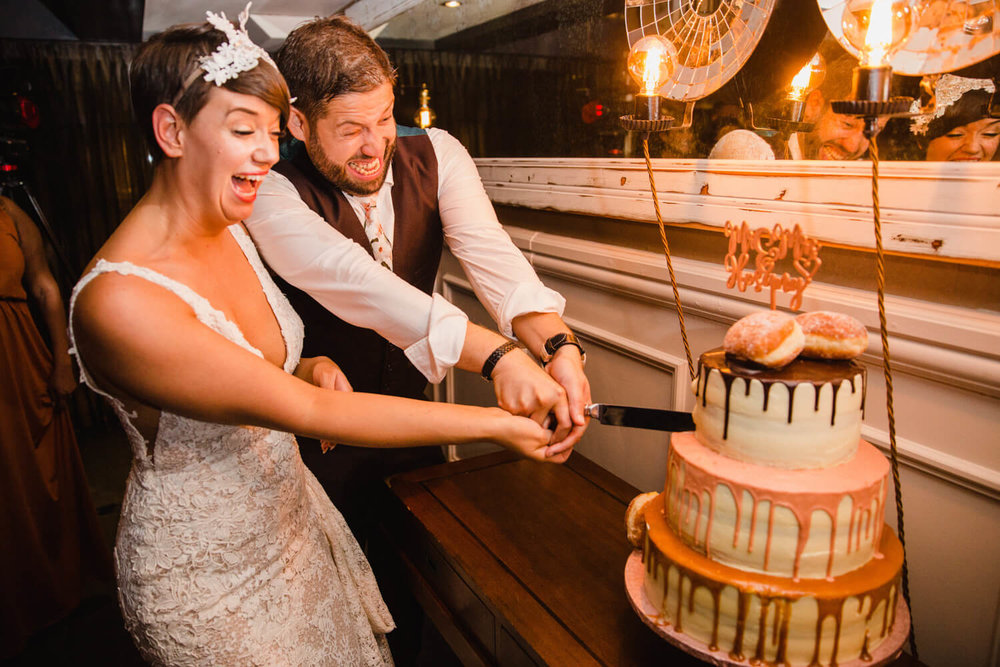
(229,552)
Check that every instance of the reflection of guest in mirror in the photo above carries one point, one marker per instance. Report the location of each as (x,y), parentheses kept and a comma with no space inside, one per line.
(833,136)
(960,129)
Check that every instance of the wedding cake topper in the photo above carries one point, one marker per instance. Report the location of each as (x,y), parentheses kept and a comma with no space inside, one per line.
(769,247)
(238,54)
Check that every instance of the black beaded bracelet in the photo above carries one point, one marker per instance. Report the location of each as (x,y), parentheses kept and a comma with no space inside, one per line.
(491,361)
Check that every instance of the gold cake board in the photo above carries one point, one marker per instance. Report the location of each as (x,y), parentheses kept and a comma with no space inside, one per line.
(635,575)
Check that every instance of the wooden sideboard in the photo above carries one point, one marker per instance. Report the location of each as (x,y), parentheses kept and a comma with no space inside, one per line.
(522,563)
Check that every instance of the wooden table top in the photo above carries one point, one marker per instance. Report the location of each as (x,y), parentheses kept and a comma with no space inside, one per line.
(543,546)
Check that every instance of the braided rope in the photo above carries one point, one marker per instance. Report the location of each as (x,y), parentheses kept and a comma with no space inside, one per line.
(887,368)
(666,250)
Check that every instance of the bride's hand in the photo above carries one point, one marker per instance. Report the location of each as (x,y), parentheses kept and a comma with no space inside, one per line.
(327,374)
(526,437)
(323,372)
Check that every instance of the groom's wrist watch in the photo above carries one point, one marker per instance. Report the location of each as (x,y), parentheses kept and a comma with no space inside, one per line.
(557,341)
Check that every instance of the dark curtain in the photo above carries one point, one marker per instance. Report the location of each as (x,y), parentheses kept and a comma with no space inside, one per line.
(86,163)
(515,106)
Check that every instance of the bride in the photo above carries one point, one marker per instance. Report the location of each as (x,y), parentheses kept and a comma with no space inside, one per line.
(228,550)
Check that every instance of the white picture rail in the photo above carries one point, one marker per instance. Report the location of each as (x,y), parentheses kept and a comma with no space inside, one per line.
(938,209)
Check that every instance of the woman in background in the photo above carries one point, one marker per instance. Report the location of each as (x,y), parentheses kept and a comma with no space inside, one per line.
(228,551)
(960,128)
(51,542)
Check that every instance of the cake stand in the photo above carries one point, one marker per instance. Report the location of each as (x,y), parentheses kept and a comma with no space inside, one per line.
(635,575)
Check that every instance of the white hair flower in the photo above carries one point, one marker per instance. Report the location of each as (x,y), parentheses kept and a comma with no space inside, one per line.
(238,54)
(948,90)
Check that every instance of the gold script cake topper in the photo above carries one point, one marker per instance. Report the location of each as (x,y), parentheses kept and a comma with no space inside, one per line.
(769,246)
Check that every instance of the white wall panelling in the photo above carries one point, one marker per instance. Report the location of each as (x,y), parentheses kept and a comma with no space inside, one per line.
(946,366)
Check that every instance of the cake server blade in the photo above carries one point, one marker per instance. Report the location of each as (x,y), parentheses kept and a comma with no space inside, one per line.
(624,415)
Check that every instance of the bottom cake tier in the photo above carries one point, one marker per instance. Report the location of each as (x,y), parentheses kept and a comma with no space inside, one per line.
(770,620)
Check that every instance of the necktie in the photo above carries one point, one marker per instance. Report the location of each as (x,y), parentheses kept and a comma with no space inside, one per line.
(381,247)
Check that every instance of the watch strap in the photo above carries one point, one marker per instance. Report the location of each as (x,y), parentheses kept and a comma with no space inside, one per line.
(560,340)
(495,356)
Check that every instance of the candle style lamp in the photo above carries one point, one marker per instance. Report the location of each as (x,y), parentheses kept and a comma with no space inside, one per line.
(807,80)
(792,108)
(651,62)
(425,116)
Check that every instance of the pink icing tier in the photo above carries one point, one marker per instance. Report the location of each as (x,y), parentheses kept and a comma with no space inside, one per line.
(809,524)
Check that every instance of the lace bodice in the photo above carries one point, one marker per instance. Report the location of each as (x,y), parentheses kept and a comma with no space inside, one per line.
(228,550)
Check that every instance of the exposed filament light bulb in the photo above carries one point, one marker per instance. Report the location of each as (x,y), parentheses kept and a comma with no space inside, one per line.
(876,28)
(651,62)
(879,34)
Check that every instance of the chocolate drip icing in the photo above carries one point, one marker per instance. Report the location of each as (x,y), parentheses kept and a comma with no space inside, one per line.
(774,615)
(813,371)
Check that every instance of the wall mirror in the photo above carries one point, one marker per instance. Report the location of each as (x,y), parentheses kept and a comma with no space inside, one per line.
(536,95)
(549,80)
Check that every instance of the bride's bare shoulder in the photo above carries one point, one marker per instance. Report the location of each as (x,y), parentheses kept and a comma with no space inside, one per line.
(115,305)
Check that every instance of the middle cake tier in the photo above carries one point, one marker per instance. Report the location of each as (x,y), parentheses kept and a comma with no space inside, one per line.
(809,524)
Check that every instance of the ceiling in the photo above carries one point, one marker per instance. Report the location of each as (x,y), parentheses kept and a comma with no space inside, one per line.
(413,21)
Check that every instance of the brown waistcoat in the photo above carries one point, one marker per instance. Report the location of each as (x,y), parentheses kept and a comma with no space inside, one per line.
(371,363)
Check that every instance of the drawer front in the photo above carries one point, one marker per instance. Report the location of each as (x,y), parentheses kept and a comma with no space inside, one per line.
(474,618)
(510,653)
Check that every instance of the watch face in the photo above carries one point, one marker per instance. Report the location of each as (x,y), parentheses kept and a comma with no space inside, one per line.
(554,343)
(559,340)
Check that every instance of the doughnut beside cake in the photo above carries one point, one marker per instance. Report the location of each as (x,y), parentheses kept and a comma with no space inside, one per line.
(768,543)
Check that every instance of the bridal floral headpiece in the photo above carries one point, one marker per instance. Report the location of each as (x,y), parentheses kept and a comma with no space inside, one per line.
(948,90)
(236,55)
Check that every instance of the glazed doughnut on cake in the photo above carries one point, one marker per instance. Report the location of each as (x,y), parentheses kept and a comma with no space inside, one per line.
(832,335)
(768,543)
(770,338)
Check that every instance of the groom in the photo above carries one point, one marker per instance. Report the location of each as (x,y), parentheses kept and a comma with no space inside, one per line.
(400,195)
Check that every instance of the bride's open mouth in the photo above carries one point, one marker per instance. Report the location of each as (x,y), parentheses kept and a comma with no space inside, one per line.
(246,185)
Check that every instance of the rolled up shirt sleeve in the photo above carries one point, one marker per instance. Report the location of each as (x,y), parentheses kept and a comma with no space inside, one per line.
(313,256)
(502,278)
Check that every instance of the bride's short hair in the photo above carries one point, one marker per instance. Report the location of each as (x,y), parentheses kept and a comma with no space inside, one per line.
(166,70)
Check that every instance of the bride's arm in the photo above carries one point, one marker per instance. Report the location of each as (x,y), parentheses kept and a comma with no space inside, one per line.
(138,340)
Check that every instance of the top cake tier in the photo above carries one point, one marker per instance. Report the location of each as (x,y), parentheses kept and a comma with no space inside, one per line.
(805,415)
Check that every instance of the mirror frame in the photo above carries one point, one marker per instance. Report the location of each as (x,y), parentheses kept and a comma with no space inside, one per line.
(936,210)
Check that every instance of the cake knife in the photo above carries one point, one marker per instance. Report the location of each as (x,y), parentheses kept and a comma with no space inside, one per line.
(624,415)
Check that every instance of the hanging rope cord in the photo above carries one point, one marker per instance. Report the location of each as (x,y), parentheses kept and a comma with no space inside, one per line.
(666,250)
(887,370)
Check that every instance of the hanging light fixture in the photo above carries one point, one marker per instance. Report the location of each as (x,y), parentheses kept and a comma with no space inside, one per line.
(425,116)
(876,28)
(651,62)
